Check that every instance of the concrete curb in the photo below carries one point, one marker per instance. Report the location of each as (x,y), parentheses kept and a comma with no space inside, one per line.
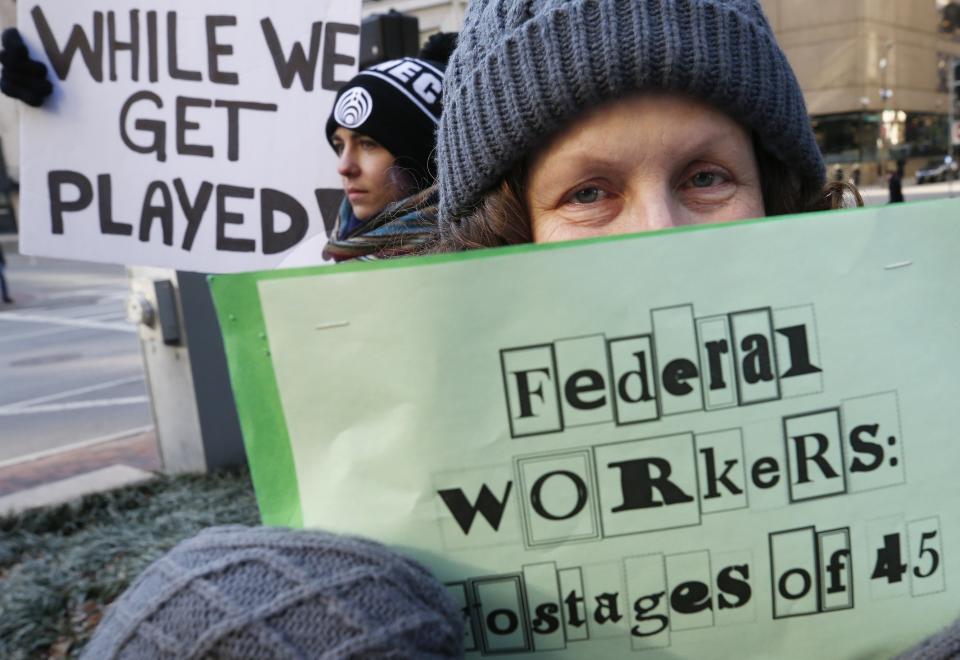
(139,452)
(66,490)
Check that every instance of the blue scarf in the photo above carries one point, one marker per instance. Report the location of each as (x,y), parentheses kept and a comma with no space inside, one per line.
(401,228)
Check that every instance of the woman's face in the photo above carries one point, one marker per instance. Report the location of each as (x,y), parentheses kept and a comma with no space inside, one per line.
(366,169)
(643,163)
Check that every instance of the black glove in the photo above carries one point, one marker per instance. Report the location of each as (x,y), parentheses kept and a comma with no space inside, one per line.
(22,78)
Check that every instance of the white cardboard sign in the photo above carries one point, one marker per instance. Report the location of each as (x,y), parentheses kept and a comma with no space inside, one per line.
(187,134)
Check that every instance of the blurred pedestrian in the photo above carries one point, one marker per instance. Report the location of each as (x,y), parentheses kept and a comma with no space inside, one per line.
(856,175)
(4,291)
(895,186)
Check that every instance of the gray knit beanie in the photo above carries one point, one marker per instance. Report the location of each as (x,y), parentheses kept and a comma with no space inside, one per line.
(945,645)
(524,68)
(262,593)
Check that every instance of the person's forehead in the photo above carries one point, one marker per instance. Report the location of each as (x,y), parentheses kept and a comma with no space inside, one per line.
(671,109)
(667,125)
(346,134)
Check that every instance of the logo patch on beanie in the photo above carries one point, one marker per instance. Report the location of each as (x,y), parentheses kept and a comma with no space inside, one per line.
(353,108)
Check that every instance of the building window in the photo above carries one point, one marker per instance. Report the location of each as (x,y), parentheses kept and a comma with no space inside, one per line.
(925,135)
(857,137)
(849,137)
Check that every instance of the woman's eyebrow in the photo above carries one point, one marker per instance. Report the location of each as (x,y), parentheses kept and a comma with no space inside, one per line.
(569,161)
(717,137)
(578,159)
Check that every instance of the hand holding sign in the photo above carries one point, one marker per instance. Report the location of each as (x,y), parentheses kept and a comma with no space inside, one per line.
(22,78)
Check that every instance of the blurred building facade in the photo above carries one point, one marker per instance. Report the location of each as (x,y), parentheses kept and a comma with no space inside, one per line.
(874,73)
(435,15)
(875,76)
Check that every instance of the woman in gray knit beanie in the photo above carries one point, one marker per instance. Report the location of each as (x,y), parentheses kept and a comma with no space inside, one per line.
(574,118)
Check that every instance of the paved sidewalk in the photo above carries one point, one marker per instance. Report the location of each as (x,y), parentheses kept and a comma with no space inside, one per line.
(74,410)
(64,476)
(66,490)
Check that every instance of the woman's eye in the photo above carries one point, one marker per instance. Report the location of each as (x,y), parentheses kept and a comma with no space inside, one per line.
(587,195)
(704,179)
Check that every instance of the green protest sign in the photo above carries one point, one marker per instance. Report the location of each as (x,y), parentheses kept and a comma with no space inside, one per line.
(719,441)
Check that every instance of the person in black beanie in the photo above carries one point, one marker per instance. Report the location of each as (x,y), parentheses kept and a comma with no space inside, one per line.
(382,127)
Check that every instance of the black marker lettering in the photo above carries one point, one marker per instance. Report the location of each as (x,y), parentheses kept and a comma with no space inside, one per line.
(114,45)
(192,210)
(61,60)
(107,224)
(162,212)
(215,50)
(331,57)
(298,64)
(173,67)
(56,180)
(184,149)
(156,127)
(233,122)
(225,217)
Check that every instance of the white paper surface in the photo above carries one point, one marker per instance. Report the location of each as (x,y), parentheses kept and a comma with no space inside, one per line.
(88,192)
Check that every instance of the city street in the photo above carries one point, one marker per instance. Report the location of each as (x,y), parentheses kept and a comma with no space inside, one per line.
(912,192)
(70,368)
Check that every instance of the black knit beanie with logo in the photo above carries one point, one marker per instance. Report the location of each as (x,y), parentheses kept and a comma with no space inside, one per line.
(397,103)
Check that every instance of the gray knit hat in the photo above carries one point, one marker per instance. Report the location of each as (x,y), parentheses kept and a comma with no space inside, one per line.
(524,68)
(259,593)
(945,645)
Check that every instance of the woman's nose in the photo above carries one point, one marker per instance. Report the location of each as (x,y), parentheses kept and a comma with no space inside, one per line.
(346,165)
(653,211)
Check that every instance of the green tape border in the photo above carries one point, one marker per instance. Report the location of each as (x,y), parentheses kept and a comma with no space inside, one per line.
(257,397)
(252,376)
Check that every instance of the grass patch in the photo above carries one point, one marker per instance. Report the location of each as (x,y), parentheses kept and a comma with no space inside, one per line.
(61,566)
